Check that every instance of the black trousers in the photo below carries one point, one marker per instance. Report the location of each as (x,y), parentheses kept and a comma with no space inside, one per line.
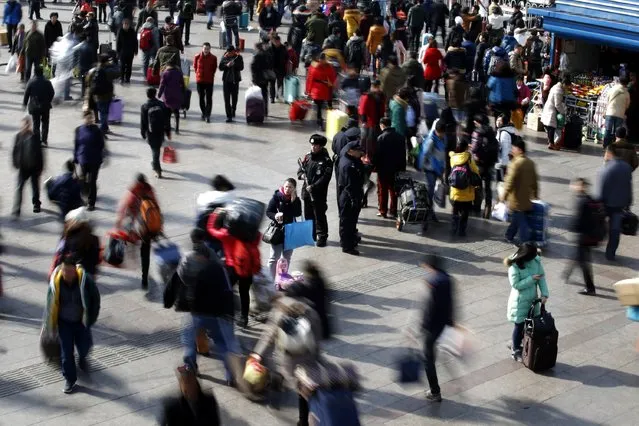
(11,31)
(461,209)
(176,114)
(264,87)
(244,285)
(414,42)
(126,67)
(349,213)
(582,258)
(155,162)
(102,13)
(429,84)
(41,125)
(486,180)
(186,30)
(34,8)
(90,180)
(316,211)
(280,87)
(23,176)
(251,8)
(436,27)
(303,410)
(145,259)
(205,93)
(319,105)
(429,360)
(231,91)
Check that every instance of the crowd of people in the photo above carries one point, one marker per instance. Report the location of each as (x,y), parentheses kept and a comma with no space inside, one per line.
(392,60)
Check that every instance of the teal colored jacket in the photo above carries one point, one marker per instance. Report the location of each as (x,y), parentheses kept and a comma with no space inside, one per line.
(398,115)
(524,289)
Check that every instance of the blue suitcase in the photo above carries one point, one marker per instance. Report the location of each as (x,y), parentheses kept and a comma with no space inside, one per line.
(291,89)
(244,20)
(538,221)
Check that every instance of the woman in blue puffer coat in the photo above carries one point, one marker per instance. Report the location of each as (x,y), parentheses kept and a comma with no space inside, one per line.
(502,90)
(528,282)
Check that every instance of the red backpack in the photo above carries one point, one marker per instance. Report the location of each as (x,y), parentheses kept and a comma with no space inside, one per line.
(146,39)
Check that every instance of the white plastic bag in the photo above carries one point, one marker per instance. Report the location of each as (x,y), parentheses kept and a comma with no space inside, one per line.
(253,92)
(422,129)
(440,193)
(12,65)
(456,341)
(500,212)
(222,26)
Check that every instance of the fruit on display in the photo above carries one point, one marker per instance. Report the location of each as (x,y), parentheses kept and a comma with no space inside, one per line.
(588,86)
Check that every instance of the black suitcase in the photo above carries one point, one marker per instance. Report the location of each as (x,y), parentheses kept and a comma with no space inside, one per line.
(540,340)
(629,223)
(186,101)
(573,133)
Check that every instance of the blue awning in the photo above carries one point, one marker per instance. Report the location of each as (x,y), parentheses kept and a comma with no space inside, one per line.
(601,27)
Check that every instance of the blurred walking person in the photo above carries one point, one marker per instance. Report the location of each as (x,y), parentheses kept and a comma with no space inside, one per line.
(88,152)
(155,123)
(28,160)
(38,97)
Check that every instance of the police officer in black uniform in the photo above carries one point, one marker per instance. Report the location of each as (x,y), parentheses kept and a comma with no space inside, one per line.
(316,169)
(350,190)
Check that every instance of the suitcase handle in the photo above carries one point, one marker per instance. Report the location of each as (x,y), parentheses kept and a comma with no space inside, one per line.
(531,311)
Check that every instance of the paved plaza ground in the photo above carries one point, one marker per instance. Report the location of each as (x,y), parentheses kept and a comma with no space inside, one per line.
(137,347)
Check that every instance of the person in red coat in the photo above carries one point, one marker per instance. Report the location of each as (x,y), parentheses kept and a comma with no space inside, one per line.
(372,107)
(242,259)
(432,66)
(205,66)
(319,85)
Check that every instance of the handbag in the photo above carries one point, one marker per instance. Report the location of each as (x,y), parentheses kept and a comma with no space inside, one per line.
(21,63)
(169,155)
(49,345)
(269,75)
(274,234)
(629,223)
(298,234)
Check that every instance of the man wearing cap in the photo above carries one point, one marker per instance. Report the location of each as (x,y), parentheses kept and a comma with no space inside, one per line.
(350,187)
(231,66)
(315,169)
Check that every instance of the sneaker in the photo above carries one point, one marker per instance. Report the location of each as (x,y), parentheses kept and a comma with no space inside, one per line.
(321,242)
(69,387)
(36,209)
(586,292)
(516,355)
(380,214)
(208,119)
(229,120)
(352,251)
(91,207)
(434,397)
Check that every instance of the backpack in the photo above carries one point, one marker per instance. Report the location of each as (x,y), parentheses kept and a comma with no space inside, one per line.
(150,217)
(295,336)
(156,119)
(462,177)
(535,50)
(146,39)
(187,11)
(456,38)
(116,21)
(355,53)
(100,82)
(596,223)
(488,152)
(333,407)
(497,62)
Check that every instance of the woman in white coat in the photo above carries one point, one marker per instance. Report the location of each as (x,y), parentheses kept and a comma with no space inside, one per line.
(553,106)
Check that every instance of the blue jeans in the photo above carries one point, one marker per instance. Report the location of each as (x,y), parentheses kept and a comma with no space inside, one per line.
(70,334)
(211,15)
(518,222)
(518,336)
(220,329)
(103,113)
(147,58)
(612,124)
(614,231)
(431,179)
(230,31)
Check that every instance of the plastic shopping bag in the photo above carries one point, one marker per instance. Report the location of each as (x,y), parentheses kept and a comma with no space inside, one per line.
(500,212)
(440,193)
(456,341)
(12,65)
(298,234)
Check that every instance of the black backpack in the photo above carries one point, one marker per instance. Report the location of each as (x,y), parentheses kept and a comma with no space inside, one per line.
(156,116)
(355,52)
(462,177)
(597,225)
(488,152)
(100,84)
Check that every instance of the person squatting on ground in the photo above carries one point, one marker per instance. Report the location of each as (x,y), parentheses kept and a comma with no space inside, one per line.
(315,169)
(527,279)
(283,208)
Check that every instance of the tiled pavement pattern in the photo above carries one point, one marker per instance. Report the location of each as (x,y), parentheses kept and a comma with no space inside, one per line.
(374,296)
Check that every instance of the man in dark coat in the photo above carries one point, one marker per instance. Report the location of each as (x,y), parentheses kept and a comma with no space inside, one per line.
(28,160)
(389,159)
(279,58)
(126,46)
(231,66)
(38,96)
(315,169)
(52,30)
(155,122)
(438,313)
(439,12)
(350,190)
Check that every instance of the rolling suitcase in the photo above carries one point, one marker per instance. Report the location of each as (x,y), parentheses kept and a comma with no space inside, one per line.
(186,101)
(244,20)
(298,110)
(116,110)
(221,39)
(335,120)
(538,221)
(573,133)
(539,351)
(291,89)
(255,110)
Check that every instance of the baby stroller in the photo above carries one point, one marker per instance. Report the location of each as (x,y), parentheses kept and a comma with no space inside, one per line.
(413,206)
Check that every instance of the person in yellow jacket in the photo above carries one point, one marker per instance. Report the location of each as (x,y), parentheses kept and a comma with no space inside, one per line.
(352,16)
(461,198)
(72,307)
(334,56)
(375,36)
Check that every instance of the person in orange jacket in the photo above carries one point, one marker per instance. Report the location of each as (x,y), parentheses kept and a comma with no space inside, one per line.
(319,85)
(375,36)
(205,66)
(242,259)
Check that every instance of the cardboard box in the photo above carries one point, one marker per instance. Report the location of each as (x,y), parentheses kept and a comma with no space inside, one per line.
(4,38)
(628,292)
(533,121)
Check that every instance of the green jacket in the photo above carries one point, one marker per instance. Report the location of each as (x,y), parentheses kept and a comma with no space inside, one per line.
(34,46)
(392,78)
(524,289)
(398,108)
(167,55)
(316,30)
(89,293)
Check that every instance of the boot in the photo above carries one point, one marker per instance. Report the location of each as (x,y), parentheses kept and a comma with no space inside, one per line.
(454,226)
